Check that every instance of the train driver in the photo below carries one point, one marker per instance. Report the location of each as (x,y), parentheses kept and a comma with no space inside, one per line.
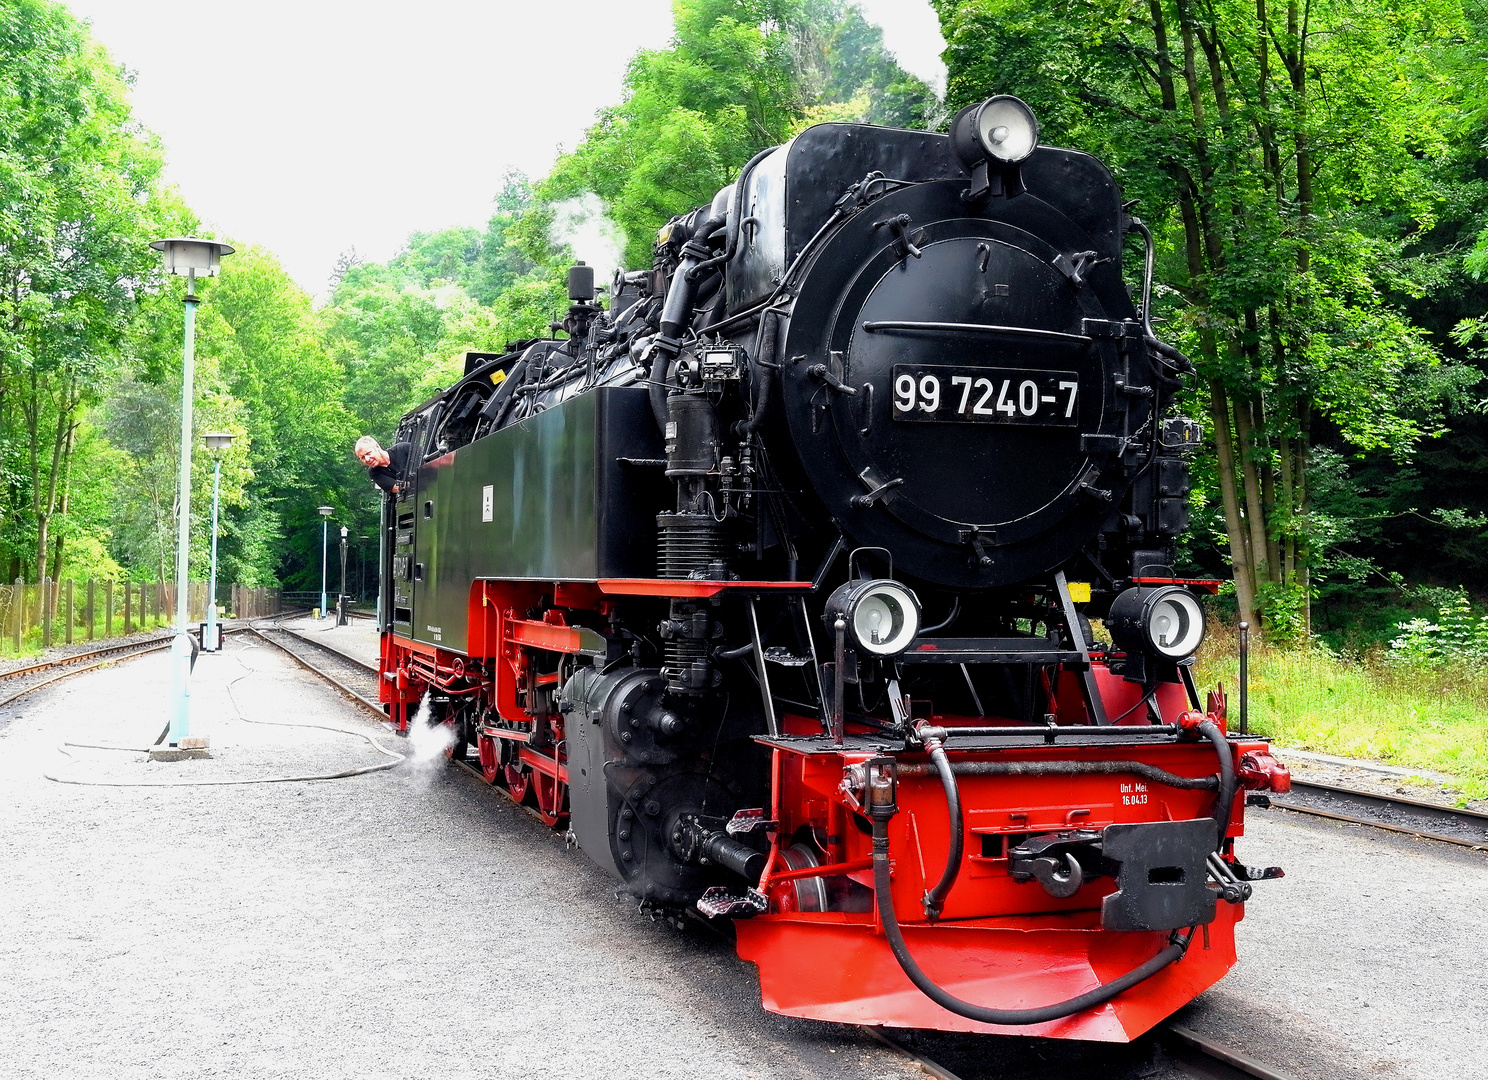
(384,467)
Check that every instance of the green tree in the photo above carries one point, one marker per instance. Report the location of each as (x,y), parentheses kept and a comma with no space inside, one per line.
(1282,154)
(739,76)
(79,199)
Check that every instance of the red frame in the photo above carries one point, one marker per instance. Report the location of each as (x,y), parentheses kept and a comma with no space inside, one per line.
(998,942)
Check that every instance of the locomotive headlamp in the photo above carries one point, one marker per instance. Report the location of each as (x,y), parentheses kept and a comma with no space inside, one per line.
(882,615)
(1001,129)
(1166,621)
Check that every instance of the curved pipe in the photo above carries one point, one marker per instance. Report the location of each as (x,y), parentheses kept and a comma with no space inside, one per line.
(1072,768)
(676,315)
(955,612)
(734,222)
(935,899)
(1162,348)
(1227,782)
(764,356)
(1149,259)
(1175,949)
(677,312)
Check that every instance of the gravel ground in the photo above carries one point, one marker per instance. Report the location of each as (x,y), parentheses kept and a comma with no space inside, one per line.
(406,923)
(410,923)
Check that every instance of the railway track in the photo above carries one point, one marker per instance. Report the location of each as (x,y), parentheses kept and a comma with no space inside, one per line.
(352,676)
(18,682)
(1170,1048)
(1449,825)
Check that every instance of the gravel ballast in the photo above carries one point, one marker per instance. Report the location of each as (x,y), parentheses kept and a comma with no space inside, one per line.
(411,922)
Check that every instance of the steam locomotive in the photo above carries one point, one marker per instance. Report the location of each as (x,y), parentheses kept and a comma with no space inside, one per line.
(772,580)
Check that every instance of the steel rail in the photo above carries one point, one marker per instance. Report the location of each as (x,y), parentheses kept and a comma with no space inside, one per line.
(348,657)
(1379,808)
(366,703)
(1237,1063)
(119,646)
(928,1065)
(68,665)
(1219,1061)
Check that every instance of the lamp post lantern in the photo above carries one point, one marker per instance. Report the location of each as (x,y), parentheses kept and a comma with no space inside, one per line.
(186,257)
(217,441)
(325,521)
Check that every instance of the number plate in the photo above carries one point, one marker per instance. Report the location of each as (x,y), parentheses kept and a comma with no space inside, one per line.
(986,395)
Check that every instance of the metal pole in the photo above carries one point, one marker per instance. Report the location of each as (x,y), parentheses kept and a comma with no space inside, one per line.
(211,642)
(382,529)
(1245,678)
(180,706)
(324,522)
(839,713)
(341,599)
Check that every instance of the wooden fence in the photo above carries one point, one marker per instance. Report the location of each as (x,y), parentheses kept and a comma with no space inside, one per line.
(61,612)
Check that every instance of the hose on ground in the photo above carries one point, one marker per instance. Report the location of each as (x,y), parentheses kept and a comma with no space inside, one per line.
(341,774)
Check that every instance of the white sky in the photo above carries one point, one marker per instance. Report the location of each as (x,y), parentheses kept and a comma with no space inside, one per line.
(312,126)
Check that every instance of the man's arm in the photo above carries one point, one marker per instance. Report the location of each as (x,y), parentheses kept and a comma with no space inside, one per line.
(384,478)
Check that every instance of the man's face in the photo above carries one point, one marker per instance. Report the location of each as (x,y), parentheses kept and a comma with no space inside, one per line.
(370,457)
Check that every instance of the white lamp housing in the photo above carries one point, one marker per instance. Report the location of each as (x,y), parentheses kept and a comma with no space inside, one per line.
(882,615)
(1166,622)
(218,441)
(185,255)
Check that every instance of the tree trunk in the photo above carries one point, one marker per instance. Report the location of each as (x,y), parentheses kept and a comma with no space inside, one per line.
(1239,557)
(1255,516)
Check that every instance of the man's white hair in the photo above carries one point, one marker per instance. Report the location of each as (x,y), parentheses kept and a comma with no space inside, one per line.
(367,442)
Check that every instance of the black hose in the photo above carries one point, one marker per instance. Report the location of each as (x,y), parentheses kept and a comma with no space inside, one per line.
(1227,782)
(656,389)
(935,899)
(1175,949)
(1071,768)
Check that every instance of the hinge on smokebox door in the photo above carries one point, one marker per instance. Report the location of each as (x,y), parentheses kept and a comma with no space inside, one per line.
(877,489)
(978,538)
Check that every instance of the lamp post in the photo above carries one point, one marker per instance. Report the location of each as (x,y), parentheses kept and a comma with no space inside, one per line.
(325,521)
(186,257)
(217,441)
(341,599)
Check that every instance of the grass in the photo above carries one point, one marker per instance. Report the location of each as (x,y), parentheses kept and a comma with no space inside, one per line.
(1312,699)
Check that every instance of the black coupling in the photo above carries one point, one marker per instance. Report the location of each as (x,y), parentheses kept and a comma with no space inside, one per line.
(694,842)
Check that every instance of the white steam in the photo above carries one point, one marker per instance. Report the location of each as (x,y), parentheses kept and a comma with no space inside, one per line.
(582,225)
(429,741)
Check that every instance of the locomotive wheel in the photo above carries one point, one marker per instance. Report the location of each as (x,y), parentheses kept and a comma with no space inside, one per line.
(549,796)
(459,744)
(490,758)
(517,780)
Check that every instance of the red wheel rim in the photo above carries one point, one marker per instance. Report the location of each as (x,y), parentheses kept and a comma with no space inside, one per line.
(516,782)
(549,794)
(486,747)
